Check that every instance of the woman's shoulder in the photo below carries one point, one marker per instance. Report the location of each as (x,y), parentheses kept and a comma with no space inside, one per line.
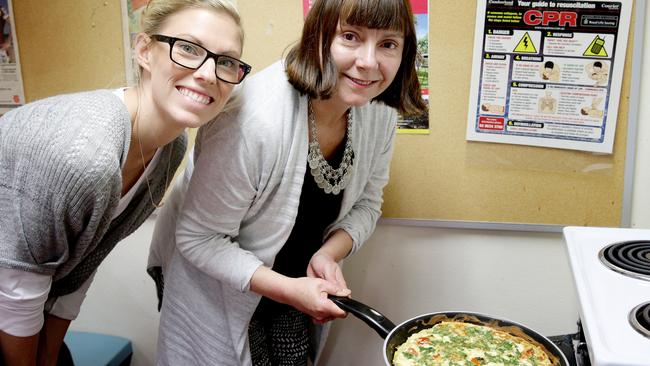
(263,123)
(377,116)
(265,105)
(78,131)
(378,109)
(268,86)
(273,73)
(97,98)
(97,106)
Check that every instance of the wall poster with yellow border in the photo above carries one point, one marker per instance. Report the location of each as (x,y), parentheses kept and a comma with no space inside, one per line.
(548,73)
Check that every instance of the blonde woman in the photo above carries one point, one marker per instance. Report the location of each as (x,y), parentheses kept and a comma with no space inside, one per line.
(80,172)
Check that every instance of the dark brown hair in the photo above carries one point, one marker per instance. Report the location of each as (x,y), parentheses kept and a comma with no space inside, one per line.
(303,62)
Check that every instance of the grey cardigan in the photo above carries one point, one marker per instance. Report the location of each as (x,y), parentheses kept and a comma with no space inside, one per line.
(61,180)
(239,209)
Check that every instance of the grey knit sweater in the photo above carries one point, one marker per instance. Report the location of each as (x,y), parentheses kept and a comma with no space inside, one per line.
(60,182)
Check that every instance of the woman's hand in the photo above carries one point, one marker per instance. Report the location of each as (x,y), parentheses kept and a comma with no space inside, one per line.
(309,295)
(323,265)
(306,294)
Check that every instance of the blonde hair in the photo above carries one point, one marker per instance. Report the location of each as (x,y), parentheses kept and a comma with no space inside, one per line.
(157,12)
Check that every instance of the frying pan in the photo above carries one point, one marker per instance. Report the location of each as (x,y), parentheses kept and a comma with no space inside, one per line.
(394,336)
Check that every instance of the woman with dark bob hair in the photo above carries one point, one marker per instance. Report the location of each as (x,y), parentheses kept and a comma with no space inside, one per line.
(285,185)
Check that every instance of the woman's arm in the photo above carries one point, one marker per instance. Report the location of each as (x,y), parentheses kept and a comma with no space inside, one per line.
(18,351)
(221,190)
(347,235)
(39,349)
(51,339)
(360,222)
(219,196)
(22,298)
(324,263)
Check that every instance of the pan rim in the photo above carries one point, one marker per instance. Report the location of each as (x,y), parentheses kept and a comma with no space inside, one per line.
(526,329)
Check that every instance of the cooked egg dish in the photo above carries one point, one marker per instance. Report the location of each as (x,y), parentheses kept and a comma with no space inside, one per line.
(457,343)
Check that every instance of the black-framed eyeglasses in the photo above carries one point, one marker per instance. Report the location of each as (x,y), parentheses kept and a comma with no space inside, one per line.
(192,56)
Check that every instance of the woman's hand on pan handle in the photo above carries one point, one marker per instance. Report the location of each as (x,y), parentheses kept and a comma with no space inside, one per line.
(309,295)
(323,266)
(306,294)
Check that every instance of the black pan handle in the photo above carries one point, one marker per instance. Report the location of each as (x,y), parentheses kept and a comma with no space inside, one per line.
(368,315)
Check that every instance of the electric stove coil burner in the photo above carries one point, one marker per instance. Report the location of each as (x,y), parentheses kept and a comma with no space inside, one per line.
(640,319)
(631,258)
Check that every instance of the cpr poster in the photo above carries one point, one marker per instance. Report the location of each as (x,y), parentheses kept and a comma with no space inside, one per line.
(548,73)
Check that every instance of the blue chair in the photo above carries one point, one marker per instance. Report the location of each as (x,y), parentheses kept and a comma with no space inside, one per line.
(95,349)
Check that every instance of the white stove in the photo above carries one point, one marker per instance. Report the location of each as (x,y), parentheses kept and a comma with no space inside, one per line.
(611,271)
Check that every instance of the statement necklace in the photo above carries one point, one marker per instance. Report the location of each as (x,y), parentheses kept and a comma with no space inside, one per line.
(327,178)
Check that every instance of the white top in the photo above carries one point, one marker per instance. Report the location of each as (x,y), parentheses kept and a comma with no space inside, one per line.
(23,295)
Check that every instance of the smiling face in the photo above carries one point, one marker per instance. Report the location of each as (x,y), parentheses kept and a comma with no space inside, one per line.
(367,60)
(182,96)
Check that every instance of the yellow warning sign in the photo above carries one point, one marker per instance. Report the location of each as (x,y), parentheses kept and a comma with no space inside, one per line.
(525,45)
(596,48)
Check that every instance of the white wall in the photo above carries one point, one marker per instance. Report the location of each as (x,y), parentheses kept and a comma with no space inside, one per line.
(401,271)
(122,299)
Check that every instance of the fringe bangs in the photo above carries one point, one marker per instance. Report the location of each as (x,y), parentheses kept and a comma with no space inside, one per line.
(377,14)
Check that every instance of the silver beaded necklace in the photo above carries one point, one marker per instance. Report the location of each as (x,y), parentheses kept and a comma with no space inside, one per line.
(327,178)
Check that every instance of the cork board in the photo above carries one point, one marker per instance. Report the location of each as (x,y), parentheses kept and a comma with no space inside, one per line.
(442,176)
(68,45)
(71,45)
